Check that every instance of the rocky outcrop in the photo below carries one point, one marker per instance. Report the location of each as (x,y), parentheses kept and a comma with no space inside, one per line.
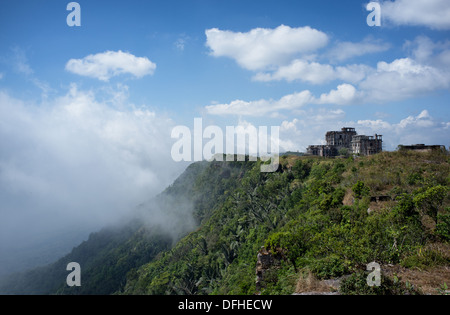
(266,268)
(266,262)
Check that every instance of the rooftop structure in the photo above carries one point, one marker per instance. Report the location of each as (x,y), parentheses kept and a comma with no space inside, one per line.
(421,147)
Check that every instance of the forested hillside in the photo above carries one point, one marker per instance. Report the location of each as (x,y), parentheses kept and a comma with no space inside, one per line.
(316,219)
(319,219)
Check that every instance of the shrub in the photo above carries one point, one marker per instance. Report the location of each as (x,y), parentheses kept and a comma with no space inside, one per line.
(319,170)
(414,178)
(329,267)
(443,226)
(286,244)
(356,284)
(405,207)
(360,189)
(424,258)
(344,152)
(301,170)
(430,200)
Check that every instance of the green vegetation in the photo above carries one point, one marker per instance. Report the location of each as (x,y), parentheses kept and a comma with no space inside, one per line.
(106,258)
(299,215)
(356,284)
(315,216)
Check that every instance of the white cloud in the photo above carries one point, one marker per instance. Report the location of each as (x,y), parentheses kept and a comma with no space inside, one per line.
(310,124)
(353,73)
(312,72)
(427,69)
(346,50)
(402,79)
(422,120)
(443,59)
(274,55)
(423,50)
(181,42)
(261,107)
(104,66)
(378,124)
(77,161)
(239,107)
(268,53)
(262,48)
(315,73)
(285,53)
(422,128)
(345,94)
(289,126)
(405,66)
(20,62)
(20,65)
(309,127)
(324,116)
(434,14)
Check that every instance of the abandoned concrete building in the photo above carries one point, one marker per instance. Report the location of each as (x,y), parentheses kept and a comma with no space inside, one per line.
(421,147)
(367,145)
(347,139)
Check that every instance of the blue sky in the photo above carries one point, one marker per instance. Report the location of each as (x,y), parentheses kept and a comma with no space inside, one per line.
(188,77)
(86,112)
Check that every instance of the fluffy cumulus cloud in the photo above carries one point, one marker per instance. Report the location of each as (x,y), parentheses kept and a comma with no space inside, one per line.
(402,79)
(434,14)
(262,107)
(426,70)
(303,70)
(345,94)
(104,66)
(263,48)
(424,51)
(347,50)
(76,161)
(309,127)
(315,73)
(353,73)
(292,55)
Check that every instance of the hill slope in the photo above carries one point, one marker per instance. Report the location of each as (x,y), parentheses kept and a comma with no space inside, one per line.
(315,219)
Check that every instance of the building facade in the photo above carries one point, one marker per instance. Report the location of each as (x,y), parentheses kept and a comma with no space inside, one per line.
(322,150)
(367,145)
(340,139)
(347,139)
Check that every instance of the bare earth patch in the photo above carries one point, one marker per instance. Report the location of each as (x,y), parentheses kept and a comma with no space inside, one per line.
(428,281)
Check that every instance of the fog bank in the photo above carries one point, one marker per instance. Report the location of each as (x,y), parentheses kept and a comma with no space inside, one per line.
(73,164)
